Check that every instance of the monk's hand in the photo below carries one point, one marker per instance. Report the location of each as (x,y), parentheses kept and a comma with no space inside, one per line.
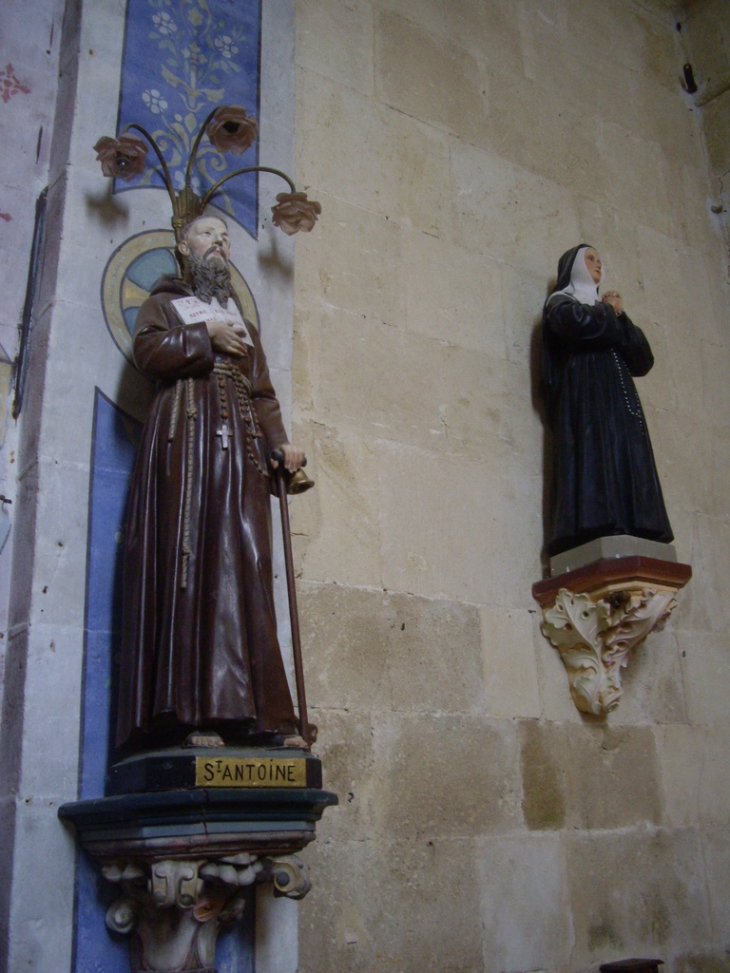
(226,337)
(615,300)
(294,458)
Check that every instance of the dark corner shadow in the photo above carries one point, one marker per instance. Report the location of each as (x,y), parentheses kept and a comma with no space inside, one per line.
(107,207)
(547,442)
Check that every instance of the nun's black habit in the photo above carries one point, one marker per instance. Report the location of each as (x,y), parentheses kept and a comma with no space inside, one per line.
(604,477)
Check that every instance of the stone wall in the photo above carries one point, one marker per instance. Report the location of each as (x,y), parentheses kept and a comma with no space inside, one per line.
(707,36)
(458,148)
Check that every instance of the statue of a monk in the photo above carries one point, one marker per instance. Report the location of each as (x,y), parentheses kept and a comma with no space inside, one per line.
(200,658)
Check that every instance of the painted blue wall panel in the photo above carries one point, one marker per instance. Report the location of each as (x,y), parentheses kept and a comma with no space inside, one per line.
(114,449)
(182,58)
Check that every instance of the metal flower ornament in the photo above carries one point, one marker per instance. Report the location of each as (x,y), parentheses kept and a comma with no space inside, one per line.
(229,129)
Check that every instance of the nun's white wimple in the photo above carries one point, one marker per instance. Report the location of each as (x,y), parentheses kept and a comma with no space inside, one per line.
(582,286)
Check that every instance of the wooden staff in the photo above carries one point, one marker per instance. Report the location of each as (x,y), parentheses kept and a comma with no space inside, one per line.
(304,729)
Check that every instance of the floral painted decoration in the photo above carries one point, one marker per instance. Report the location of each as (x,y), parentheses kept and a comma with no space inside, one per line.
(123,157)
(294,212)
(11,85)
(232,130)
(229,129)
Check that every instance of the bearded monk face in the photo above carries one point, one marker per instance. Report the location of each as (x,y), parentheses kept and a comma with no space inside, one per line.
(593,265)
(207,238)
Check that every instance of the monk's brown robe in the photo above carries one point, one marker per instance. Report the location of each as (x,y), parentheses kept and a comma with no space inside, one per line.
(199,645)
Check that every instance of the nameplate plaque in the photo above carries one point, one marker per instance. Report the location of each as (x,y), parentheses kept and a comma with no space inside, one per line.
(250,772)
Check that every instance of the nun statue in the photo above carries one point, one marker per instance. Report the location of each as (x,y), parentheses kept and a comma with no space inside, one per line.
(604,477)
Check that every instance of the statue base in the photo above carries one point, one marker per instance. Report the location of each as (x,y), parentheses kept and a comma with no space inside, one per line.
(189,767)
(612,546)
(183,832)
(596,614)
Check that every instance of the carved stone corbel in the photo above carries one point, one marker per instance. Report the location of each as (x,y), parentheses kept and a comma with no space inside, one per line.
(595,616)
(183,855)
(174,908)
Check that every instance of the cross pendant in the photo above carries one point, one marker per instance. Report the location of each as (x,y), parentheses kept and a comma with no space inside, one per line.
(225,433)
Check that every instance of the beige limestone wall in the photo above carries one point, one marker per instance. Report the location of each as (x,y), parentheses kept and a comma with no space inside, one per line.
(706,33)
(458,148)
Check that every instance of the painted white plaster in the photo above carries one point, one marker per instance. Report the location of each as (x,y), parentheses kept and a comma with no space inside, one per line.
(277,935)
(75,354)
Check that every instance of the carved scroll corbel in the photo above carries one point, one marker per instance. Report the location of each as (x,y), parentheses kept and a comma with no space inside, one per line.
(595,638)
(174,908)
(596,614)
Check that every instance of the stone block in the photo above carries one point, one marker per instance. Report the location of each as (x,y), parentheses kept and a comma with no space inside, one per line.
(636,894)
(392,392)
(391,905)
(560,133)
(390,164)
(524,293)
(545,759)
(430,78)
(638,42)
(653,683)
(706,671)
(716,855)
(719,472)
(702,961)
(379,652)
(453,294)
(556,703)
(676,283)
(415,390)
(615,776)
(508,211)
(448,776)
(525,904)
(590,776)
(665,119)
(678,368)
(704,605)
(508,656)
(635,175)
(344,505)
(695,224)
(426,14)
(695,774)
(431,547)
(370,287)
(488,31)
(560,67)
(345,747)
(716,395)
(336,40)
(680,442)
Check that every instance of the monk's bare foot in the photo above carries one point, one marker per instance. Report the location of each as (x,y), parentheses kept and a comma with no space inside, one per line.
(296,741)
(204,738)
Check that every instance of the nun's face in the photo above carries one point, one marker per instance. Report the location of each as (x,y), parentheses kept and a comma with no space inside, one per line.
(593,264)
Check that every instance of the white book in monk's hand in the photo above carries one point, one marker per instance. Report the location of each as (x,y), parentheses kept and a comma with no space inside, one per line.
(191,310)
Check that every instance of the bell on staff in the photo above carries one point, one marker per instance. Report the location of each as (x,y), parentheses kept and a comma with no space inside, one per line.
(298,482)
